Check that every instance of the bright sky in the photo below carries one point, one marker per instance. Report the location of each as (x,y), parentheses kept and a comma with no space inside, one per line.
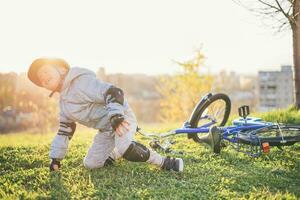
(138,36)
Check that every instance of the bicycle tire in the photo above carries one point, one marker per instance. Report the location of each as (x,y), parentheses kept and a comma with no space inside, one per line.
(200,108)
(283,138)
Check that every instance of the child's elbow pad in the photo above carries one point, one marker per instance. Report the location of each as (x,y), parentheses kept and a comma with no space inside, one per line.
(114,95)
(67,129)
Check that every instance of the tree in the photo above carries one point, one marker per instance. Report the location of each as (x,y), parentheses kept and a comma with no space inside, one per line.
(282,15)
(182,91)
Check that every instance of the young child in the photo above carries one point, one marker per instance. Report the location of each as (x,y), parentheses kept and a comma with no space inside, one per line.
(89,101)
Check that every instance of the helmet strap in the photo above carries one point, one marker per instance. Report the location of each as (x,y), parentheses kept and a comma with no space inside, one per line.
(59,86)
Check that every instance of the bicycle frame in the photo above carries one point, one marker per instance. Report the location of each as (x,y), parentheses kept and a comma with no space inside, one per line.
(229,133)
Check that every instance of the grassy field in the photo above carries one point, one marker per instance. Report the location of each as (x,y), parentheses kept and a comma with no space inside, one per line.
(24,172)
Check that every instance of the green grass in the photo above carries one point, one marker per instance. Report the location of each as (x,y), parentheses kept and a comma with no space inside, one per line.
(24,172)
(290,116)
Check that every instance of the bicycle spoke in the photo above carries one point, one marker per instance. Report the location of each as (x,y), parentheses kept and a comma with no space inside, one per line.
(217,110)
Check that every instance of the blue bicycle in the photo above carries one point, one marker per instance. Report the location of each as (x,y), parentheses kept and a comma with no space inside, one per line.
(249,135)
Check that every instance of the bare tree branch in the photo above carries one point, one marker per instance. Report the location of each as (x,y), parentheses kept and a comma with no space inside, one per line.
(283,12)
(277,14)
(269,5)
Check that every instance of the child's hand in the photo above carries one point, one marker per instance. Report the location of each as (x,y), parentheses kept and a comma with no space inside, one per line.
(119,124)
(122,128)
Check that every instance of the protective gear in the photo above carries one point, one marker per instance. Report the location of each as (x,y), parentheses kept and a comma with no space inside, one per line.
(67,129)
(114,95)
(137,152)
(38,63)
(60,142)
(55,165)
(175,164)
(116,120)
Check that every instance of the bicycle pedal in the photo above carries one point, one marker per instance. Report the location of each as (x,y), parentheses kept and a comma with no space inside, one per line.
(154,144)
(244,111)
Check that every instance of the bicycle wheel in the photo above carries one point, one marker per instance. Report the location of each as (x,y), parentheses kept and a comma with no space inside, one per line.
(276,135)
(216,108)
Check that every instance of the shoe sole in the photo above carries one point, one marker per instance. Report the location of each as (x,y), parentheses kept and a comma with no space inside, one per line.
(180,165)
(215,139)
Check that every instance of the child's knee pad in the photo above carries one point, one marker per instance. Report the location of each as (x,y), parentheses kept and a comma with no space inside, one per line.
(137,152)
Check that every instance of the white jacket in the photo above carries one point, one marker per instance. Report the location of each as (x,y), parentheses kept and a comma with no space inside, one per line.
(82,100)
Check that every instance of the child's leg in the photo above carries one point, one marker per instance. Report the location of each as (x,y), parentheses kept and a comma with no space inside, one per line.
(130,117)
(99,151)
(123,142)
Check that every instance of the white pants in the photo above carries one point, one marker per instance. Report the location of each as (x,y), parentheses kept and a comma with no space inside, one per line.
(108,143)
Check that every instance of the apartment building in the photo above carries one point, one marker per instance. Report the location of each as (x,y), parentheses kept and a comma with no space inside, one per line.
(276,88)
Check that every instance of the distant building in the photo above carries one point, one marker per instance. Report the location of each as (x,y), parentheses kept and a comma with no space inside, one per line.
(276,88)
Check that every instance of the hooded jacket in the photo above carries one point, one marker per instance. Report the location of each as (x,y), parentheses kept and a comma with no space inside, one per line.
(82,100)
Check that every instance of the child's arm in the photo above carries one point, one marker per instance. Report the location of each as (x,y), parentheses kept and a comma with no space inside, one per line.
(91,89)
(95,90)
(60,143)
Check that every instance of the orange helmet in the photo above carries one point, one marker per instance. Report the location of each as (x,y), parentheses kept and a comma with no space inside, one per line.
(38,63)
